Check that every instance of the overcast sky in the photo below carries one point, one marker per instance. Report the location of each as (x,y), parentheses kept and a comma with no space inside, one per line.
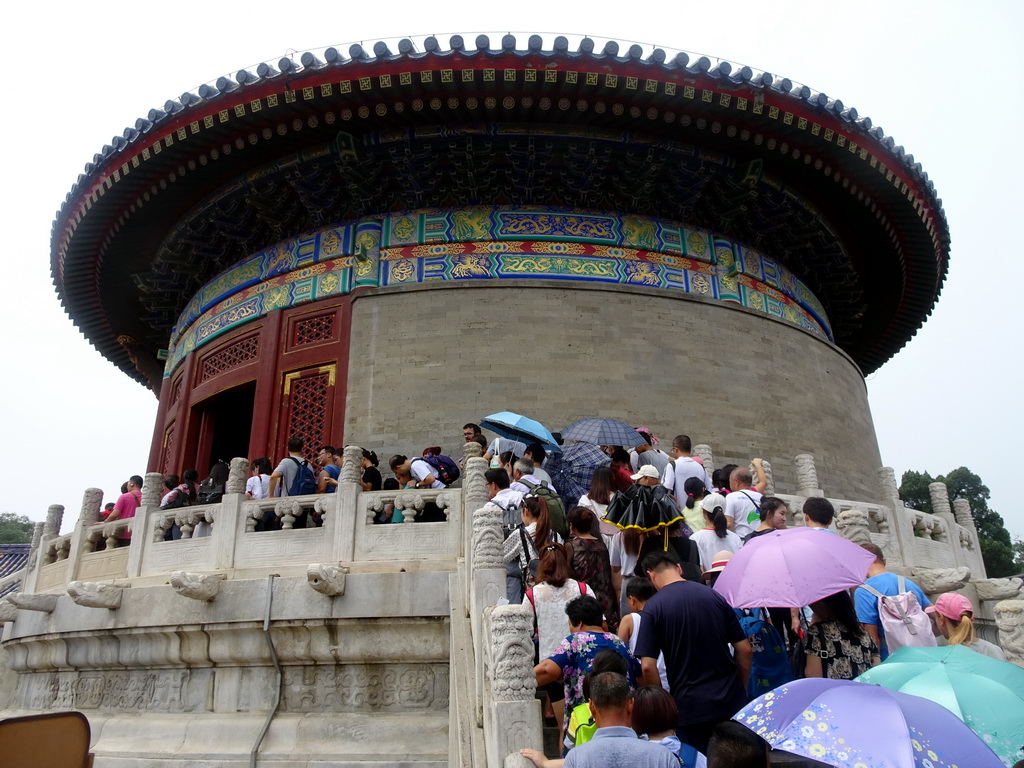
(940,77)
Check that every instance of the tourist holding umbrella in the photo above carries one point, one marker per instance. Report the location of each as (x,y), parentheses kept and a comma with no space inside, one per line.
(791,569)
(846,723)
(647,506)
(987,694)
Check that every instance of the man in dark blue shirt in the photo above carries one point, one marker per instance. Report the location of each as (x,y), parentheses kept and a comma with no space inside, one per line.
(693,626)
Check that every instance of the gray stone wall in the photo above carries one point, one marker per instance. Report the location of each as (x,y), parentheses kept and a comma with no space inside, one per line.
(425,361)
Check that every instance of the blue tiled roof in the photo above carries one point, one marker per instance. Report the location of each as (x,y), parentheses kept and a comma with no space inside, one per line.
(13,557)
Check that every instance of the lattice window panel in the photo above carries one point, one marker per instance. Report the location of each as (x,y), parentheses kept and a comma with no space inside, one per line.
(232,356)
(308,415)
(165,461)
(314,330)
(176,390)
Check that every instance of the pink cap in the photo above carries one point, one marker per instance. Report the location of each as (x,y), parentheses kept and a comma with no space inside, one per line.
(952,606)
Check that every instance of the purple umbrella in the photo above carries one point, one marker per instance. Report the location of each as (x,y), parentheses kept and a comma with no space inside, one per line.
(792,568)
(844,723)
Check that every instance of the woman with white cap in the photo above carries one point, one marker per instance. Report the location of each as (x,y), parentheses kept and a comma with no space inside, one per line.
(954,616)
(715,536)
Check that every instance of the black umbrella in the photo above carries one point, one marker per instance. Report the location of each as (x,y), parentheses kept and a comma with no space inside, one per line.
(643,508)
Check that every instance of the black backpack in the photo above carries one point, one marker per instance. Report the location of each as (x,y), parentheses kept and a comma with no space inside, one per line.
(210,492)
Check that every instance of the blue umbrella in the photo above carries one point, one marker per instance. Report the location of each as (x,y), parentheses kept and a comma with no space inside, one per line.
(844,723)
(512,426)
(603,432)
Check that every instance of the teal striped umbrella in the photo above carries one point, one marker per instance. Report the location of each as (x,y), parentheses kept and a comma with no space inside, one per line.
(987,694)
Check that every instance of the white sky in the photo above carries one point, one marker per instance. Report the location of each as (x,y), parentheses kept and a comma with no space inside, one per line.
(942,78)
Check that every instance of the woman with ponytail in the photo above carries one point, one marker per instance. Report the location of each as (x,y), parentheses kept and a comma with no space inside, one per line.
(954,616)
(535,534)
(695,491)
(714,536)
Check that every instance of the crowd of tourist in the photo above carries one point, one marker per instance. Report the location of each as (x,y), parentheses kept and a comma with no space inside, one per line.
(638,659)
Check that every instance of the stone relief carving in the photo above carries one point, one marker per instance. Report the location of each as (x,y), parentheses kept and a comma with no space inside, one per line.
(880,517)
(966,539)
(42,603)
(96,594)
(512,653)
(1010,620)
(853,525)
(928,527)
(998,589)
(327,578)
(198,586)
(359,687)
(806,473)
(769,476)
(133,691)
(937,580)
(238,472)
(487,539)
(8,611)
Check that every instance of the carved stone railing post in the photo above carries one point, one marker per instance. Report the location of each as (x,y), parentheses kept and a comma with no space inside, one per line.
(238,472)
(511,713)
(474,494)
(1010,620)
(142,523)
(152,489)
(807,476)
(351,464)
(766,466)
(54,519)
(962,513)
(91,501)
(486,582)
(940,508)
(899,548)
(853,525)
(347,501)
(968,536)
(706,455)
(35,557)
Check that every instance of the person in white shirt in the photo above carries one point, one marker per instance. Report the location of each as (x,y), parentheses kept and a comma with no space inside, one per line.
(510,503)
(414,473)
(535,452)
(743,505)
(258,486)
(715,536)
(682,467)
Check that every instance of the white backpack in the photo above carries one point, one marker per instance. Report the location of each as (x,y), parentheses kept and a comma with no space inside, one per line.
(902,619)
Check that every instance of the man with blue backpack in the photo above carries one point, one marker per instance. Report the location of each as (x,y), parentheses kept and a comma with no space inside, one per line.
(294,477)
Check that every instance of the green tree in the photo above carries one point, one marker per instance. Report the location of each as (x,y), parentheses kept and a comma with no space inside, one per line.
(15,529)
(914,490)
(996,546)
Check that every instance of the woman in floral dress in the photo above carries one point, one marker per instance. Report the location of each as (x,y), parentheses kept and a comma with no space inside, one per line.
(837,645)
(590,562)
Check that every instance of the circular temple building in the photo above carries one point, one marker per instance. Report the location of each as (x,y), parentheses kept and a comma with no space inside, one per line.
(375,246)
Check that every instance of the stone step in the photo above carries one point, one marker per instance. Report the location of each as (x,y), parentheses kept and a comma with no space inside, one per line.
(340,740)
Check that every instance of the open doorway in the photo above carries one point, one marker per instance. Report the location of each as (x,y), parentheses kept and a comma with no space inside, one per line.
(225,426)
